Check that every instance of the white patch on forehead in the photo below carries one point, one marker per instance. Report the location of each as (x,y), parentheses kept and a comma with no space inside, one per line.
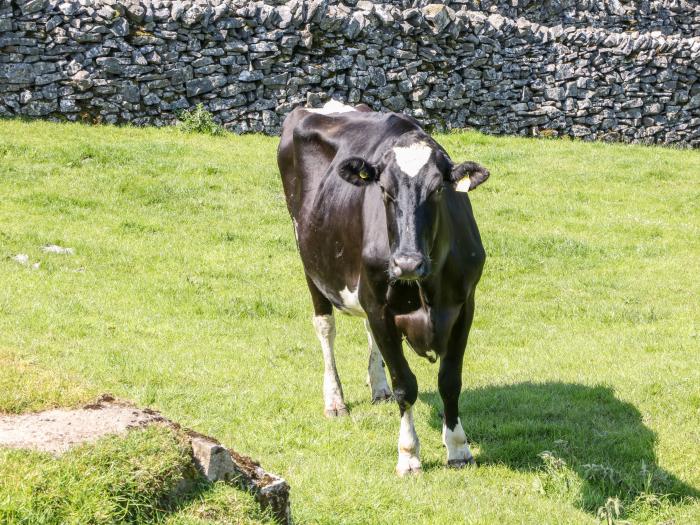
(332,106)
(351,302)
(412,158)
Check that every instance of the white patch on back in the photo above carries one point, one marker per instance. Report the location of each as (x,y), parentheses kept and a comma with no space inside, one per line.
(351,302)
(332,106)
(412,158)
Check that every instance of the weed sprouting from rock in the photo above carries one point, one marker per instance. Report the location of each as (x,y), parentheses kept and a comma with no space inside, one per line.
(199,120)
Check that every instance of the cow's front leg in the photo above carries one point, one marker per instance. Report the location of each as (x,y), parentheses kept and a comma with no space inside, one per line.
(450,386)
(453,436)
(334,405)
(405,391)
(376,378)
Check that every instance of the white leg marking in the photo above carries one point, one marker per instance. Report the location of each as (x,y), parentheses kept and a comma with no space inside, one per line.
(412,158)
(332,391)
(376,378)
(409,446)
(458,453)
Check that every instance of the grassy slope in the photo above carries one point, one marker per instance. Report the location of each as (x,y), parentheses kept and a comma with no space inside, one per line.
(129,479)
(186,294)
(118,479)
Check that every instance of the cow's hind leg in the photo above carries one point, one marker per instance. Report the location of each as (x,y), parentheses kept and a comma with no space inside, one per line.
(376,378)
(324,324)
(450,385)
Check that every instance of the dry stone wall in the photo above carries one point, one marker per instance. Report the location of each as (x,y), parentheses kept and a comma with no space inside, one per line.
(681,17)
(449,65)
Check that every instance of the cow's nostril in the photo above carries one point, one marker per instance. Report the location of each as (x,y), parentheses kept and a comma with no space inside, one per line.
(395,268)
(407,266)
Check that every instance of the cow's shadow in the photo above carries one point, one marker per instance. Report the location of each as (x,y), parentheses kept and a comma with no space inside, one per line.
(580,440)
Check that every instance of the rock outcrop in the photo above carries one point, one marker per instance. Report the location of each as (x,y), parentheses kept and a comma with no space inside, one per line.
(58,430)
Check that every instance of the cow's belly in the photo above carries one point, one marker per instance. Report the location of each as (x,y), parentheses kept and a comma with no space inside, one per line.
(334,265)
(337,281)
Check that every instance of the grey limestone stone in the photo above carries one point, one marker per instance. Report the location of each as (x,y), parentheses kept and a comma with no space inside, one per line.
(377,76)
(250,76)
(200,86)
(69,8)
(68,105)
(120,27)
(193,15)
(17,73)
(31,6)
(39,108)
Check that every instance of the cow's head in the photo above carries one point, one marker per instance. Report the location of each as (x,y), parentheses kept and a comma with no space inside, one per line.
(413,175)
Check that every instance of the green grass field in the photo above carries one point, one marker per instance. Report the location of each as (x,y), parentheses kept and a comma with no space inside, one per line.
(581,380)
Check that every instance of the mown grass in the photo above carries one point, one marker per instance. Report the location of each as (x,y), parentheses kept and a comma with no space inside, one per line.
(27,387)
(581,379)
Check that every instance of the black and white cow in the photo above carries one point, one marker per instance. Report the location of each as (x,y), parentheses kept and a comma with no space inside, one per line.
(386,231)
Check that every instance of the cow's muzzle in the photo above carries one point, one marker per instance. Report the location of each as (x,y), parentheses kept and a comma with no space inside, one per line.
(408,267)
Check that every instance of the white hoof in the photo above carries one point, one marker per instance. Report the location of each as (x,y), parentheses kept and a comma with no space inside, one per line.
(458,453)
(461,458)
(335,409)
(408,465)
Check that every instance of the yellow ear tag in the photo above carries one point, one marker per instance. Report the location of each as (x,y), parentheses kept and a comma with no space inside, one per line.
(463,184)
(364,175)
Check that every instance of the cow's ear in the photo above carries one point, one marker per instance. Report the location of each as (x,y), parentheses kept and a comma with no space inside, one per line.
(468,175)
(357,171)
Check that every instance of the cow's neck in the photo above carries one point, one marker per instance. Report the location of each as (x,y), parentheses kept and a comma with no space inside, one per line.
(429,287)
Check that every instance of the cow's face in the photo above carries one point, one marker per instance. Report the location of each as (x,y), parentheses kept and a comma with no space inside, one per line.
(412,176)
